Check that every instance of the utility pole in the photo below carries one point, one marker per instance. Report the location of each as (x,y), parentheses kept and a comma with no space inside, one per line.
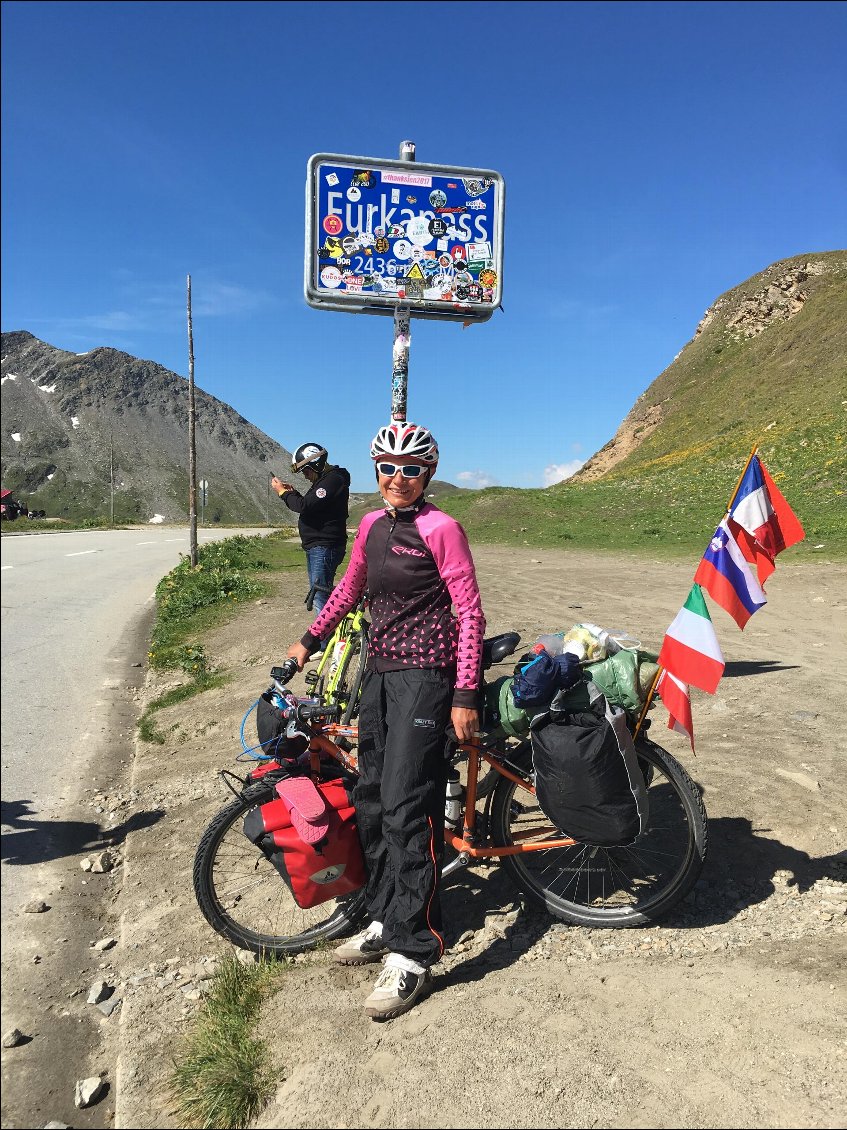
(192,449)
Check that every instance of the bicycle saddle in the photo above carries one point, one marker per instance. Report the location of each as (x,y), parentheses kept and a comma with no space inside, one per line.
(495,649)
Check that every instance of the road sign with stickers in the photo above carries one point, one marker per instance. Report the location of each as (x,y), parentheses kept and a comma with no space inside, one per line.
(380,234)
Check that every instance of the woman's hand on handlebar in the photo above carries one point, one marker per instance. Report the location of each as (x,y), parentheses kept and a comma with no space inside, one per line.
(300,653)
(465,723)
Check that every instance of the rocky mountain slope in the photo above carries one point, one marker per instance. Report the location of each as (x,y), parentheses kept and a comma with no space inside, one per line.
(766,367)
(767,362)
(82,430)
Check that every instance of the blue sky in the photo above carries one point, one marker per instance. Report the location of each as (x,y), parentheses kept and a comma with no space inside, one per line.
(654,154)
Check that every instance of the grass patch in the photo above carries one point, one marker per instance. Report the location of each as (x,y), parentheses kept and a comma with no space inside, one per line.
(146,728)
(223,1076)
(191,601)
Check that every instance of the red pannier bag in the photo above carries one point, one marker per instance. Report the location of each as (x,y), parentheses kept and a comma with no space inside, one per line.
(328,862)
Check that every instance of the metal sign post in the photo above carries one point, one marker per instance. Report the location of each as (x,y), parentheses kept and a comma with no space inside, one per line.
(400,368)
(405,239)
(204,490)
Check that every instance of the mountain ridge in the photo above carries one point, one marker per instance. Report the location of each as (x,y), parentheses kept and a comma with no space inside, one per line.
(747,314)
(767,366)
(76,423)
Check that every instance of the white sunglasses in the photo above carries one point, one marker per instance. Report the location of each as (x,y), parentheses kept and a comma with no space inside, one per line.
(407,470)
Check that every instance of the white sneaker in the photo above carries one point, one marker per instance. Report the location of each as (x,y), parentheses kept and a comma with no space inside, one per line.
(395,992)
(362,949)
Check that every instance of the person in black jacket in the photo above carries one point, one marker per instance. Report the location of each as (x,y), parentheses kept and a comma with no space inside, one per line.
(322,515)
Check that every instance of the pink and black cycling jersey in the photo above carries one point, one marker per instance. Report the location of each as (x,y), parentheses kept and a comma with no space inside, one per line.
(415,565)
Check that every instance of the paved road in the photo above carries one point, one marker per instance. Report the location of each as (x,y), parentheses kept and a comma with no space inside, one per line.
(73,606)
(76,607)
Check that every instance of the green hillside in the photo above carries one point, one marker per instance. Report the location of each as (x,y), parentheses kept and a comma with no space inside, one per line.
(768,366)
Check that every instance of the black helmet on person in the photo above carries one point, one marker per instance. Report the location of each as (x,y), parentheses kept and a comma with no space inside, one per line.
(309,455)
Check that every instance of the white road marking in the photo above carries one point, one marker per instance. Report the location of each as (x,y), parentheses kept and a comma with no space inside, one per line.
(7,567)
(81,553)
(146,543)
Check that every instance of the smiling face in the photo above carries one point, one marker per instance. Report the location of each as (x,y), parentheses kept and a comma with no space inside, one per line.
(397,490)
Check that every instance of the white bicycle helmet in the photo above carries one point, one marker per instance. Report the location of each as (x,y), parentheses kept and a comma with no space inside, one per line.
(405,439)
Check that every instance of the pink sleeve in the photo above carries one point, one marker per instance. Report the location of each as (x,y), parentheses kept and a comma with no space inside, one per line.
(452,554)
(351,586)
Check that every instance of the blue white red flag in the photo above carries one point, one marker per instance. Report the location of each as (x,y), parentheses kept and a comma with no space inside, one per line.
(767,523)
(724,574)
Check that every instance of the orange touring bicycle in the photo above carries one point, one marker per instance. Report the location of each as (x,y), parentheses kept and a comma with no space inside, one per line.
(245,900)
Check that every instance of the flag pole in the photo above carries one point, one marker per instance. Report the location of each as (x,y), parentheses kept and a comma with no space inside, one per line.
(741,476)
(647,702)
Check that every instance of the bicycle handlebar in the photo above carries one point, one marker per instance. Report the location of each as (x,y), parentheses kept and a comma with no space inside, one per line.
(315,712)
(286,671)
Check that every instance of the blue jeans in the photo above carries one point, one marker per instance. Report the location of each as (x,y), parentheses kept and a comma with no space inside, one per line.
(322,561)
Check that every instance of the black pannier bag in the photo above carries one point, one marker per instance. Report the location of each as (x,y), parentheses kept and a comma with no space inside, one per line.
(270,726)
(587,776)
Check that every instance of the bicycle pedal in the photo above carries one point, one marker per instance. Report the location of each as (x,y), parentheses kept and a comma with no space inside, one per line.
(311,677)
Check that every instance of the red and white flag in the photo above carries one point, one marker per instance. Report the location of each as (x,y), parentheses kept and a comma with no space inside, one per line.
(677,699)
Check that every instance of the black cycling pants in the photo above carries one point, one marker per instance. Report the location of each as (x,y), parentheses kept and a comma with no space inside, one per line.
(399,800)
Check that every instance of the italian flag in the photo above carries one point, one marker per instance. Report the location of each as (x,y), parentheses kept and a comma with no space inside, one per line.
(675,695)
(690,649)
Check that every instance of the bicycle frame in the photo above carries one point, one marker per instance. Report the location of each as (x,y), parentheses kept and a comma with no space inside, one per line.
(467,845)
(350,625)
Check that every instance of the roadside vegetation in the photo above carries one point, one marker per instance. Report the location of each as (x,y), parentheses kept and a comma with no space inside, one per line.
(52,525)
(191,601)
(24,525)
(223,1075)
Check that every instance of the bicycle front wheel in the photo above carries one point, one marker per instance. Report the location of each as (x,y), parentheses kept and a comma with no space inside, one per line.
(611,887)
(350,681)
(245,899)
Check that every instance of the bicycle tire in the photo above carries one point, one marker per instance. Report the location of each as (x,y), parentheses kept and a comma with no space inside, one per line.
(358,647)
(610,887)
(246,901)
(323,667)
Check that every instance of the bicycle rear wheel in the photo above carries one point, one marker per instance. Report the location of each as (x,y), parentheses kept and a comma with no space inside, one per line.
(621,886)
(246,900)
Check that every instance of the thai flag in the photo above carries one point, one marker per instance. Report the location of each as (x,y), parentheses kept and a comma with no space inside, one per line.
(724,574)
(767,523)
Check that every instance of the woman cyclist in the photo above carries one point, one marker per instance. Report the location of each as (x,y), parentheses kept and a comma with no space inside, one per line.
(423,675)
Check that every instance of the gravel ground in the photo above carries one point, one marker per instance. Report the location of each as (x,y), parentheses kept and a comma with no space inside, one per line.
(729,1013)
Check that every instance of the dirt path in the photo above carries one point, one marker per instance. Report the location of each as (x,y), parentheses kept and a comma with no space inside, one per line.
(729,1014)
